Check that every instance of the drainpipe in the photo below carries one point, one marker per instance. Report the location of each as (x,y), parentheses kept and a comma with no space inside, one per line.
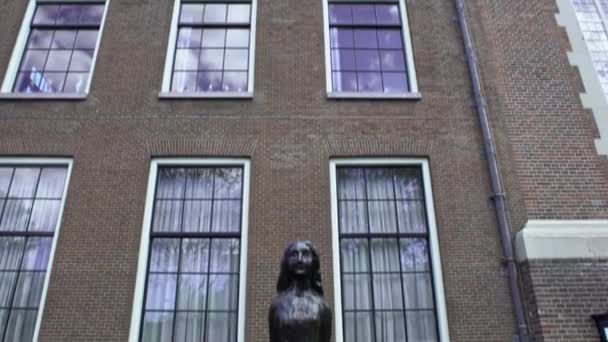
(497,186)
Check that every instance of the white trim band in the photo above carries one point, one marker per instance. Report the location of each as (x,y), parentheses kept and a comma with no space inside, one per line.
(562,239)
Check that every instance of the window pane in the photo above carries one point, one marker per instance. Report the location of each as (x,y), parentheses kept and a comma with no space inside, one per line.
(388,14)
(195,255)
(24,182)
(385,255)
(237,38)
(91,14)
(387,291)
(199,183)
(209,81)
(158,326)
(238,13)
(11,250)
(191,13)
(86,39)
(197,216)
(167,216)
(187,59)
(343,59)
(390,327)
(76,82)
(340,14)
(342,38)
(235,81)
(21,325)
(214,37)
(52,82)
(7,284)
(33,60)
(226,216)
(222,327)
(165,255)
(69,14)
(411,216)
(408,184)
(192,292)
(171,183)
(367,60)
(184,82)
(46,14)
(58,60)
(161,292)
(353,217)
(418,291)
(392,60)
(215,13)
(421,326)
(356,291)
(228,183)
(380,183)
(189,326)
(6,174)
(364,14)
(225,255)
(354,254)
(212,59)
(223,292)
(16,214)
(81,60)
(44,215)
(40,39)
(236,59)
(382,216)
(344,81)
(64,39)
(390,39)
(414,255)
(369,81)
(52,181)
(189,38)
(29,289)
(366,39)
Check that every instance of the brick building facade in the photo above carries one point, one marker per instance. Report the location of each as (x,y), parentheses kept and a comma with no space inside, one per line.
(290,134)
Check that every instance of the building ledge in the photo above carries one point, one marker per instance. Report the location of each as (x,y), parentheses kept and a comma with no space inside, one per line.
(374,96)
(562,239)
(205,95)
(43,96)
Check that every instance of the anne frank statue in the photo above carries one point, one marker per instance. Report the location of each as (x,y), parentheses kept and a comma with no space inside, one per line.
(299,313)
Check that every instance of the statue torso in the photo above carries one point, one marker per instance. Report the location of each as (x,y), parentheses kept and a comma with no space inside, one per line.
(297,316)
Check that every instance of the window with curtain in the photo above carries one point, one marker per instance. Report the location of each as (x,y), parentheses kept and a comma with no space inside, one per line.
(386,278)
(212,47)
(368,53)
(58,55)
(192,283)
(30,202)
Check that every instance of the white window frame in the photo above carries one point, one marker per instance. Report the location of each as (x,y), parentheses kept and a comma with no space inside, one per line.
(20,162)
(168,71)
(6,91)
(441,312)
(413,92)
(142,265)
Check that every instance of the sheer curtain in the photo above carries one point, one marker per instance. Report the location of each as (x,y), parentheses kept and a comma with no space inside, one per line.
(30,199)
(193,275)
(386,277)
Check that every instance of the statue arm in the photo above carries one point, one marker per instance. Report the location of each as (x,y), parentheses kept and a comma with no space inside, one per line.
(325,334)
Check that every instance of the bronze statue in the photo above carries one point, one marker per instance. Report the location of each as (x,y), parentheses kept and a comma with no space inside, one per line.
(299,313)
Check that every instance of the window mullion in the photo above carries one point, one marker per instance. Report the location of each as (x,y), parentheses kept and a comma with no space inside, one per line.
(205,331)
(399,256)
(369,257)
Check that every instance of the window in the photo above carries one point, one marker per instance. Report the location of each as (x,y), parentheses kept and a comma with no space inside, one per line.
(194,248)
(213,48)
(60,49)
(31,201)
(388,285)
(368,49)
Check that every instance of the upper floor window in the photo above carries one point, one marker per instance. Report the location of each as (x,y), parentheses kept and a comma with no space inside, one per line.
(212,48)
(368,49)
(59,48)
(193,284)
(31,200)
(388,267)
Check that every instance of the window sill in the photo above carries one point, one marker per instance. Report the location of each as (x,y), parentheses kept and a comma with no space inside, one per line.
(44,96)
(205,95)
(374,96)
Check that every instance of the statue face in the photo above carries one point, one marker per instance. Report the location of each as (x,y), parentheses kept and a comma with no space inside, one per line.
(300,259)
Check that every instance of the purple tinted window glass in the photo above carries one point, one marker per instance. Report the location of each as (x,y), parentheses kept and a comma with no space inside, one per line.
(342,38)
(184,82)
(369,81)
(238,13)
(366,39)
(235,81)
(189,38)
(191,13)
(236,59)
(392,60)
(368,60)
(210,81)
(46,14)
(215,13)
(340,14)
(214,37)
(69,14)
(344,81)
(343,59)
(86,39)
(186,59)
(27,82)
(76,82)
(212,59)
(91,14)
(394,82)
(58,60)
(388,14)
(390,39)
(40,39)
(81,60)
(64,39)
(34,60)
(364,14)
(52,82)
(237,38)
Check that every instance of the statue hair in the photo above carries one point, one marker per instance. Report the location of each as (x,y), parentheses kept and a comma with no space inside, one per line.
(285,278)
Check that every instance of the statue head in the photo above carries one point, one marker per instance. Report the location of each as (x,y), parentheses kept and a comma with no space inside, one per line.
(300,261)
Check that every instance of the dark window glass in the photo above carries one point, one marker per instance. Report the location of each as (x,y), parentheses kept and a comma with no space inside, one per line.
(60,49)
(213,47)
(193,270)
(367,48)
(30,200)
(387,286)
